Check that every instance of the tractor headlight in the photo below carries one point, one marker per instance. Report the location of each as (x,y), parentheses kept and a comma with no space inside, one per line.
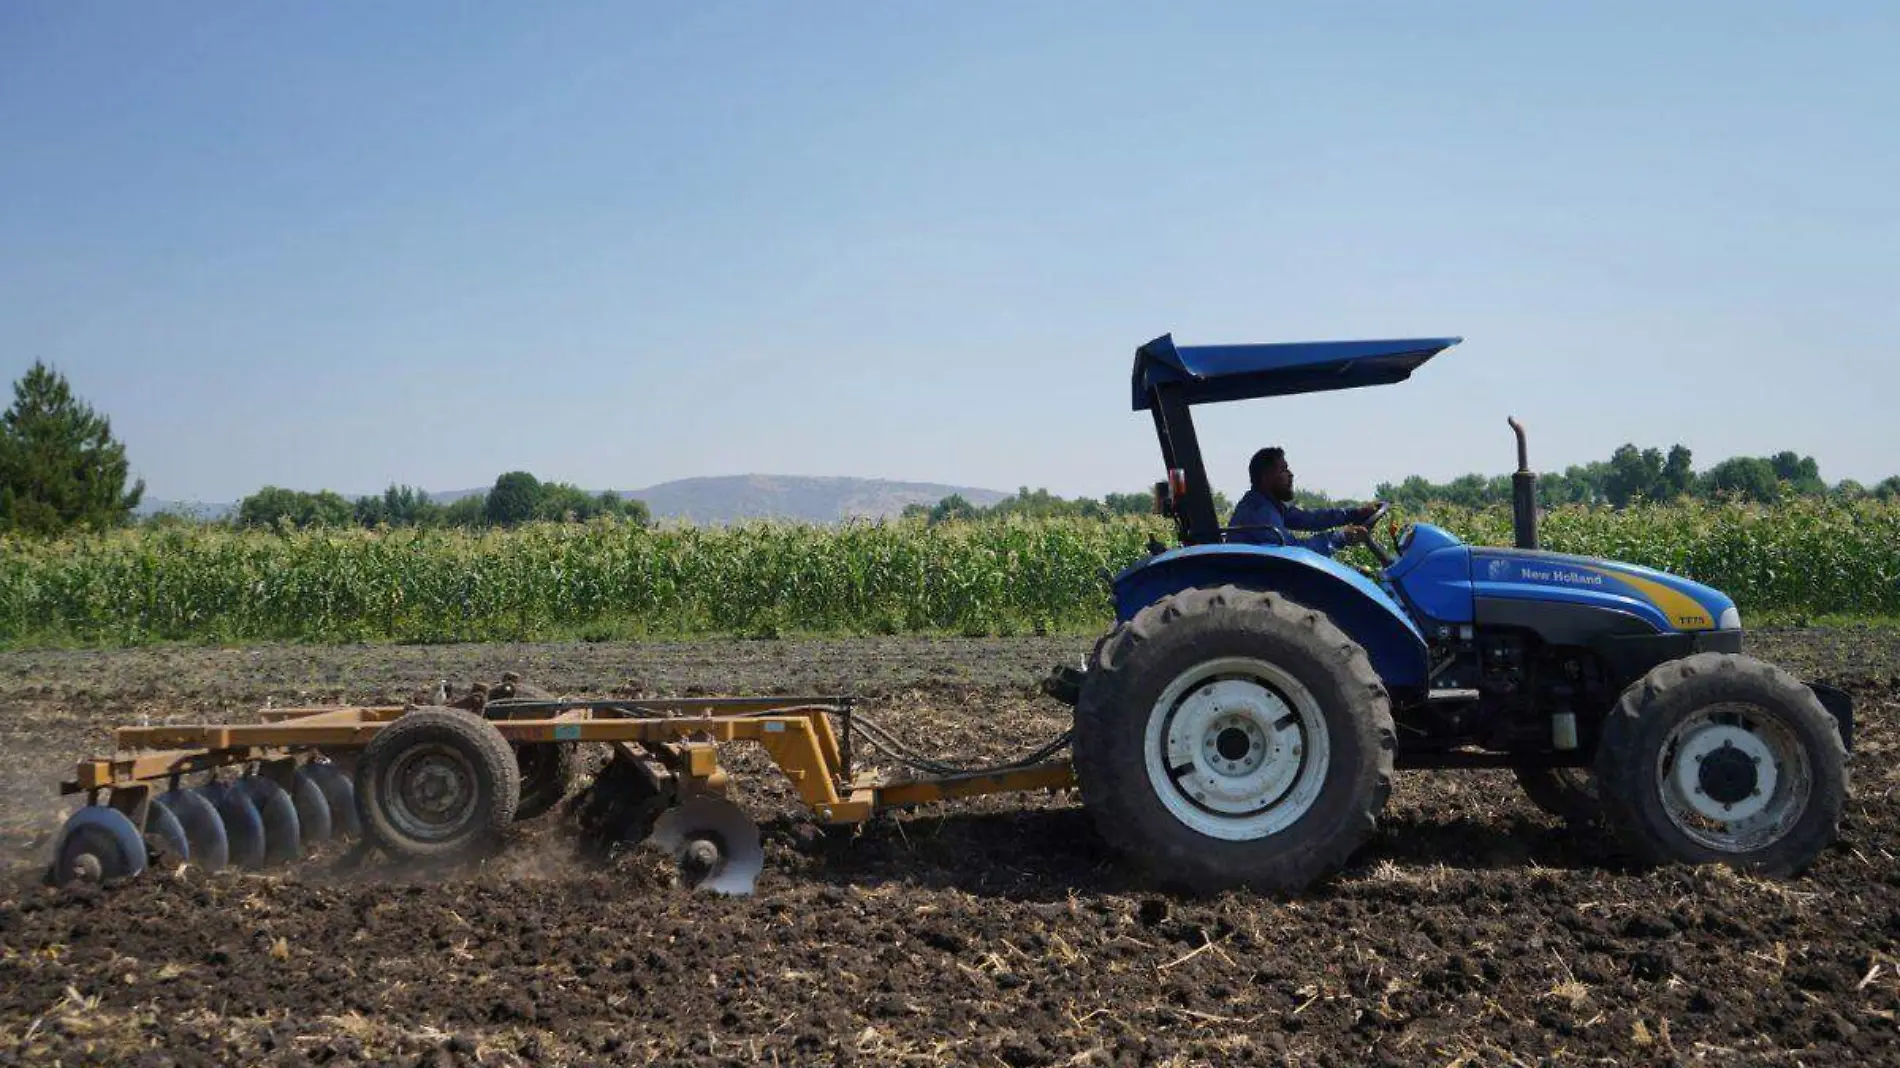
(1731,619)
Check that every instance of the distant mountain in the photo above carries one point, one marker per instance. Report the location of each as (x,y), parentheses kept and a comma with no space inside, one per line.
(723,499)
(729,498)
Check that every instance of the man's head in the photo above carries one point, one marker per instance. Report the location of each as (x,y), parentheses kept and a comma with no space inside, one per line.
(1269,474)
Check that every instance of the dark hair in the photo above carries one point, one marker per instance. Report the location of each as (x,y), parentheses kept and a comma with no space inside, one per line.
(1263,461)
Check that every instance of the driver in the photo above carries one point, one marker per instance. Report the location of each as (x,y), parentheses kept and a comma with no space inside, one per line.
(1268,507)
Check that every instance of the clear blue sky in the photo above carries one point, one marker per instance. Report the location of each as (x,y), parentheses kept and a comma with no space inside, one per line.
(343,244)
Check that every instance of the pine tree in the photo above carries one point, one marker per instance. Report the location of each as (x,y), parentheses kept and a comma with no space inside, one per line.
(60,467)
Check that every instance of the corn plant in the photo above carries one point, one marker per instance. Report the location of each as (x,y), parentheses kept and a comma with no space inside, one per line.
(998,576)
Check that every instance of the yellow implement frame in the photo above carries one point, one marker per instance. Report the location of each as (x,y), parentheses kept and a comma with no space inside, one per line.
(796,731)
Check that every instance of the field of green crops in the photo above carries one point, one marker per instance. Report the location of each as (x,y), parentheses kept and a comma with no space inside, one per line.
(611,579)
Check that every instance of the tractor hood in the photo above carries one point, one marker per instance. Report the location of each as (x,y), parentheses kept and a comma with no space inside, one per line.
(1668,602)
(1212,373)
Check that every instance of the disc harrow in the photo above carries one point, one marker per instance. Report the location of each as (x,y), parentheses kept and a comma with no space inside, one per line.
(417,782)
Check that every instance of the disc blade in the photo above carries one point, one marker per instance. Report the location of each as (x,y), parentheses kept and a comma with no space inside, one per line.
(313,810)
(243,826)
(162,824)
(203,829)
(97,842)
(340,792)
(736,838)
(283,834)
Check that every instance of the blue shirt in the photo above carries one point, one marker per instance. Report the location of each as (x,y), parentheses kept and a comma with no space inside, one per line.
(1256,509)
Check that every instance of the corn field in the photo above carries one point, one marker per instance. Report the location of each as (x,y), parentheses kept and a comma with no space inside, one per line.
(614,579)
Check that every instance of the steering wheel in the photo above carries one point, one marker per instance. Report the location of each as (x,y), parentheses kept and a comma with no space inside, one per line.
(1372,533)
(1401,537)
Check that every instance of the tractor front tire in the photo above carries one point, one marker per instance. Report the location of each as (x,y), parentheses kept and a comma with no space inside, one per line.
(1721,758)
(1227,737)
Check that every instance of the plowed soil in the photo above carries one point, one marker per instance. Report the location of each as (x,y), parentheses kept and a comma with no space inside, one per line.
(1473,930)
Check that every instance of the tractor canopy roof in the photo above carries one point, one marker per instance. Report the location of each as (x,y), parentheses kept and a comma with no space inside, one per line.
(1212,373)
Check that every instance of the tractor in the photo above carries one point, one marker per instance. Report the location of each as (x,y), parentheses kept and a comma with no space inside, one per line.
(1241,723)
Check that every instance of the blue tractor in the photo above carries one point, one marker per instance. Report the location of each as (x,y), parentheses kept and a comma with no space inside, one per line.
(1242,722)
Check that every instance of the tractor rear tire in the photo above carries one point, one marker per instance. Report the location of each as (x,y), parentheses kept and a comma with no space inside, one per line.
(1721,758)
(1228,737)
(1570,794)
(436,783)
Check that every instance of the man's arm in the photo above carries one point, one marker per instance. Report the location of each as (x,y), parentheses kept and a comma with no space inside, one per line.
(1327,518)
(1298,518)
(1325,544)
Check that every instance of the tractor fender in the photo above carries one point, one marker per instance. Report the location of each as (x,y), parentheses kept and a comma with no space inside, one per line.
(1353,602)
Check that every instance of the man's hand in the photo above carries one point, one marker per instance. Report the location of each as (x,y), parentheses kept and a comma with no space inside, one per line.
(1366,511)
(1354,535)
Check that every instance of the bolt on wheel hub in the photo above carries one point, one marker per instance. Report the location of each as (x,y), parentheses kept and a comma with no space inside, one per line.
(432,792)
(1727,775)
(87,869)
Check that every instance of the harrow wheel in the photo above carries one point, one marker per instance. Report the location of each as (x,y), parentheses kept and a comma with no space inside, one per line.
(436,783)
(97,844)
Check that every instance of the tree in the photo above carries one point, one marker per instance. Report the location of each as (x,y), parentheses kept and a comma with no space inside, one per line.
(1633,473)
(1678,473)
(399,506)
(562,502)
(469,511)
(951,508)
(514,499)
(1749,477)
(1800,472)
(272,504)
(60,466)
(1888,488)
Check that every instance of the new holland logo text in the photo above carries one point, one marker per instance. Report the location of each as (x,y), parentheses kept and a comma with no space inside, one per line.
(1500,571)
(1566,578)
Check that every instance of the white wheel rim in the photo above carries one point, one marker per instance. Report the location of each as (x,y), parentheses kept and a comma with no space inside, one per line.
(1733,778)
(1237,749)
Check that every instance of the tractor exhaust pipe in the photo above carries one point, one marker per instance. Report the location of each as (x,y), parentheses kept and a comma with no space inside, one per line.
(1523,492)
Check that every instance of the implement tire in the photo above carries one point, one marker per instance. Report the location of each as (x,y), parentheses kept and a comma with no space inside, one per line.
(1721,758)
(547,772)
(436,783)
(1227,737)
